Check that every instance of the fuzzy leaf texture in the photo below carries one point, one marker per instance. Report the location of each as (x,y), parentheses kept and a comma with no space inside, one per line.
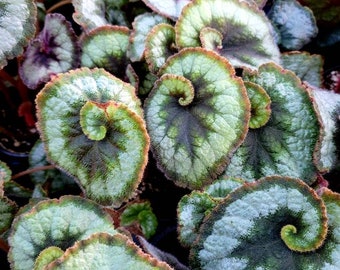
(274,223)
(197,115)
(308,67)
(92,125)
(105,251)
(53,51)
(287,144)
(245,33)
(54,223)
(17,27)
(295,23)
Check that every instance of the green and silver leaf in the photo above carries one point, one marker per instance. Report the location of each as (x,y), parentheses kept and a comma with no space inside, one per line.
(273,223)
(142,24)
(197,114)
(286,145)
(105,251)
(57,223)
(168,8)
(328,104)
(53,51)
(308,67)
(106,47)
(194,207)
(47,256)
(295,23)
(159,46)
(17,27)
(91,14)
(245,32)
(109,168)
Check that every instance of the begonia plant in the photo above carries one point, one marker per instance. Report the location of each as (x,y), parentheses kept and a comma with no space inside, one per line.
(175,134)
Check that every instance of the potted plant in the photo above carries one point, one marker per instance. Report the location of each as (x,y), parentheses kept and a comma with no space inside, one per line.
(170,134)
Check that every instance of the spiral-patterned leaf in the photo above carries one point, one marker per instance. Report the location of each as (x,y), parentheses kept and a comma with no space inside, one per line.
(197,114)
(245,34)
(57,223)
(142,24)
(287,144)
(17,27)
(274,223)
(159,46)
(92,126)
(106,47)
(53,51)
(105,251)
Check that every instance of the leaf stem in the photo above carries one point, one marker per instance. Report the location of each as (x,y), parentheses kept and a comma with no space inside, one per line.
(33,170)
(58,5)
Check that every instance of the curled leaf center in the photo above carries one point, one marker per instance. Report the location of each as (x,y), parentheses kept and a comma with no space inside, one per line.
(93,120)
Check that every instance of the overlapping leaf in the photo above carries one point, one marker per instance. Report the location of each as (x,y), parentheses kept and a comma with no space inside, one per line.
(53,51)
(274,223)
(104,251)
(106,47)
(287,144)
(329,107)
(142,24)
(54,223)
(168,8)
(245,34)
(17,27)
(295,23)
(92,126)
(308,67)
(197,114)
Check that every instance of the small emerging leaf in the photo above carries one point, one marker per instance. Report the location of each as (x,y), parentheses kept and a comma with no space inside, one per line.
(260,105)
(141,213)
